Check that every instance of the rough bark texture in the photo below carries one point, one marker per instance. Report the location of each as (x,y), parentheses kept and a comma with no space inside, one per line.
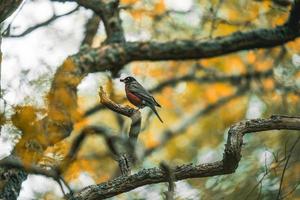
(10,181)
(91,29)
(228,165)
(115,52)
(114,55)
(7,7)
(111,57)
(126,156)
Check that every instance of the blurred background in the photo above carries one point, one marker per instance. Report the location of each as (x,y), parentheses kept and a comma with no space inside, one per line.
(200,99)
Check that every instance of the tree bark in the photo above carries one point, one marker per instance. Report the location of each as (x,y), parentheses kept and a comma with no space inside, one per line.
(228,165)
(7,7)
(10,182)
(10,179)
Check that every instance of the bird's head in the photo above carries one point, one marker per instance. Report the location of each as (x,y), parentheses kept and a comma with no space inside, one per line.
(128,79)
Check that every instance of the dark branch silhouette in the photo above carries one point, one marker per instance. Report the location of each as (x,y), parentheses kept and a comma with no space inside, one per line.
(7,7)
(42,24)
(228,165)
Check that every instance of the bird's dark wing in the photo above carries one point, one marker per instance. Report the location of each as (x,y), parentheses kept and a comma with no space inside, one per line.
(138,90)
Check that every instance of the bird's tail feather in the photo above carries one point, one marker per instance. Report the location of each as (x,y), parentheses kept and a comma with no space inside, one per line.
(155,111)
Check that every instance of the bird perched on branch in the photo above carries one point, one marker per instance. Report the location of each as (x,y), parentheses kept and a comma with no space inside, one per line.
(139,96)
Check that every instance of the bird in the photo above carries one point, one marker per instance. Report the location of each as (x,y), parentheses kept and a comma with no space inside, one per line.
(139,96)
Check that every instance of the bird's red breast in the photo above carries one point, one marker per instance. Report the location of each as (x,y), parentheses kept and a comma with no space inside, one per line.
(133,98)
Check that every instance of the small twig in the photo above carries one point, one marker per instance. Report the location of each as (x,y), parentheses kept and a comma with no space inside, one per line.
(291,191)
(77,143)
(267,172)
(112,142)
(285,167)
(33,28)
(215,12)
(187,121)
(61,186)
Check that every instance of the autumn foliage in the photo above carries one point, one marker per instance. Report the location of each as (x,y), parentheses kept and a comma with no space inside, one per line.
(208,97)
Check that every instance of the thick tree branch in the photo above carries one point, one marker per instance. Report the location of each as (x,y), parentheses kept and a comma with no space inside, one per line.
(33,169)
(294,18)
(20,174)
(2,117)
(10,182)
(91,28)
(109,12)
(7,7)
(114,56)
(62,112)
(228,165)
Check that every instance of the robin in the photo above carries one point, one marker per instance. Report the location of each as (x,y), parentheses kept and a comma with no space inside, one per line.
(139,96)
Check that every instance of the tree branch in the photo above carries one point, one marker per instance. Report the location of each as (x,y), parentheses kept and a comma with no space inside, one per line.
(91,28)
(45,23)
(135,128)
(134,115)
(7,7)
(112,57)
(10,182)
(285,167)
(228,165)
(293,21)
(233,79)
(14,163)
(76,145)
(109,12)
(186,122)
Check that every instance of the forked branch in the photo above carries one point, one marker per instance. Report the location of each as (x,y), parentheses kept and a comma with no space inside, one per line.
(135,128)
(228,165)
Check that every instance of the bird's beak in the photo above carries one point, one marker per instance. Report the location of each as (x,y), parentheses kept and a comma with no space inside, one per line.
(122,80)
